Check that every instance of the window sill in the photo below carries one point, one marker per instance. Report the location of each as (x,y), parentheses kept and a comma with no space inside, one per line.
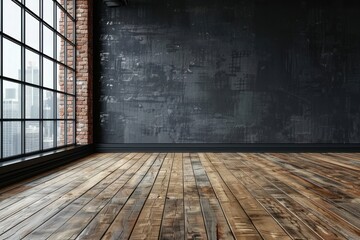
(17,169)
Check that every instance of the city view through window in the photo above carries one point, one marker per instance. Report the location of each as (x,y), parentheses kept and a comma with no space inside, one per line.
(37,76)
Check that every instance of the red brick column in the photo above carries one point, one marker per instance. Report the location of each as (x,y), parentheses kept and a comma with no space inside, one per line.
(84,74)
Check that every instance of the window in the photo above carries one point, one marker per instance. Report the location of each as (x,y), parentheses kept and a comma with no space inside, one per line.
(37,76)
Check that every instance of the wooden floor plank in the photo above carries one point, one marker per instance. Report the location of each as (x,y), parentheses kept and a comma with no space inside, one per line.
(40,203)
(189,196)
(93,199)
(93,226)
(194,220)
(300,214)
(173,222)
(149,221)
(263,193)
(124,222)
(300,191)
(217,226)
(267,226)
(324,191)
(44,188)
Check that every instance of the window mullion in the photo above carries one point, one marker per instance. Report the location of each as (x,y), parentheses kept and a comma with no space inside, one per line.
(22,97)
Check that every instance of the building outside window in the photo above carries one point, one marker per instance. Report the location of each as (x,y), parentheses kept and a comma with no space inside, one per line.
(37,76)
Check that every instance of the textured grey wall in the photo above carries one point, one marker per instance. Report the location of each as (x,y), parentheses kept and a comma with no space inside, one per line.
(228,71)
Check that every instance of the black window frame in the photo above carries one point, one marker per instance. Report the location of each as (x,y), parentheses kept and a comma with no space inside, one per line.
(56,62)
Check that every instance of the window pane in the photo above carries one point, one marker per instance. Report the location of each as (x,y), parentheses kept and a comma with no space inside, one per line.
(12,57)
(48,134)
(60,78)
(70,29)
(48,14)
(60,49)
(60,23)
(48,73)
(70,107)
(12,100)
(70,55)
(70,7)
(62,3)
(60,106)
(60,133)
(32,98)
(48,105)
(0,138)
(1,82)
(70,81)
(32,67)
(0,31)
(12,19)
(32,136)
(48,44)
(31,31)
(33,5)
(70,132)
(11,138)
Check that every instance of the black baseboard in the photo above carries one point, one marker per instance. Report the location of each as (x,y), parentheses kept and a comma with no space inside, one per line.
(227,147)
(19,169)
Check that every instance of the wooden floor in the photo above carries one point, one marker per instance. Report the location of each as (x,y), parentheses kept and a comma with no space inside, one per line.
(189,196)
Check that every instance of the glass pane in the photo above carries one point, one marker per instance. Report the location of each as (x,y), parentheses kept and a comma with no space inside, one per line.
(48,14)
(48,105)
(0,136)
(12,59)
(48,134)
(11,138)
(0,38)
(32,102)
(69,29)
(70,55)
(32,67)
(1,82)
(48,73)
(60,133)
(60,49)
(60,78)
(12,19)
(48,44)
(70,132)
(32,136)
(70,106)
(70,81)
(60,106)
(31,31)
(70,7)
(62,3)
(0,45)
(60,21)
(33,5)
(12,100)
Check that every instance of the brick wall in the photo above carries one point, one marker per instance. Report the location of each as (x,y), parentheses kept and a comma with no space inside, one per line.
(84,74)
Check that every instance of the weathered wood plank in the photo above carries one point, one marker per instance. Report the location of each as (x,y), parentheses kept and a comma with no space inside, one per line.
(189,196)
(217,226)
(40,191)
(93,199)
(149,221)
(300,191)
(263,222)
(173,223)
(22,228)
(124,222)
(95,223)
(256,175)
(194,220)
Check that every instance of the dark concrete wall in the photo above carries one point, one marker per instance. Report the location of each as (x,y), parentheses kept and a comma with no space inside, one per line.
(228,71)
